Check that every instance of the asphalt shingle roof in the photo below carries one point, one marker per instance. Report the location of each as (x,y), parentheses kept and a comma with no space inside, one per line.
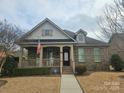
(70,34)
(88,39)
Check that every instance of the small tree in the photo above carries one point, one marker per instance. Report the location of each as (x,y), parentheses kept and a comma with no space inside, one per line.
(116,62)
(8,35)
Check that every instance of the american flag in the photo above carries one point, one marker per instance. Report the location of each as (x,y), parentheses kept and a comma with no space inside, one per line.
(38,47)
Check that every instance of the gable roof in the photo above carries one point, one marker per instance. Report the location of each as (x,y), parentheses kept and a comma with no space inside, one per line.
(38,25)
(89,40)
(81,31)
(70,34)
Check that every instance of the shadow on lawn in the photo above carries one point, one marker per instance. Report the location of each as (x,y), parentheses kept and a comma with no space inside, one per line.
(121,76)
(86,73)
(3,82)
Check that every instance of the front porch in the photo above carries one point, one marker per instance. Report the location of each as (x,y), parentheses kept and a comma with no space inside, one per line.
(50,56)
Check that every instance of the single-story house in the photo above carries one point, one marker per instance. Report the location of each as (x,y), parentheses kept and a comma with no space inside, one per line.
(61,48)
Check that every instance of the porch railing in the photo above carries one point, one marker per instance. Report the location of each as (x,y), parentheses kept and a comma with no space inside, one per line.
(29,63)
(51,62)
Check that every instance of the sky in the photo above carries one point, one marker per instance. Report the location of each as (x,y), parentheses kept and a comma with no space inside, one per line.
(67,14)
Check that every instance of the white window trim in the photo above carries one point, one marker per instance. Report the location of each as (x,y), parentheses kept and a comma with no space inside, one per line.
(49,32)
(99,56)
(83,56)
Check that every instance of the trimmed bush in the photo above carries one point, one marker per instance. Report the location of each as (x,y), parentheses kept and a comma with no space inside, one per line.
(31,71)
(116,62)
(9,66)
(80,69)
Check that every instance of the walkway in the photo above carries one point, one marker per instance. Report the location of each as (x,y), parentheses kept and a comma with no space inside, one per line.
(69,84)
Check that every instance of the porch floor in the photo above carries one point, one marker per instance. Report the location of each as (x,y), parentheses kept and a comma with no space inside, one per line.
(69,84)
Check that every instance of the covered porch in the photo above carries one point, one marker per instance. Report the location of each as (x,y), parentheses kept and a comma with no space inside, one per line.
(50,56)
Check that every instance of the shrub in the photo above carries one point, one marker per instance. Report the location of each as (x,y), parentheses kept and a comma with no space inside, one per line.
(80,69)
(116,62)
(31,71)
(9,66)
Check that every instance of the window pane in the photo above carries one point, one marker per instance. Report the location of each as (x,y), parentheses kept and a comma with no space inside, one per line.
(65,56)
(97,57)
(47,32)
(80,37)
(43,33)
(81,56)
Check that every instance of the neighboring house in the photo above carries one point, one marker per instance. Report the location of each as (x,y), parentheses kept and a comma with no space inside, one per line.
(61,48)
(116,45)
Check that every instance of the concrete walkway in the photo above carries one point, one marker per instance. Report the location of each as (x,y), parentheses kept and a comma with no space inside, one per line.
(69,84)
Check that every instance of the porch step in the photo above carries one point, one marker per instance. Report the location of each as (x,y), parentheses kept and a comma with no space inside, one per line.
(67,70)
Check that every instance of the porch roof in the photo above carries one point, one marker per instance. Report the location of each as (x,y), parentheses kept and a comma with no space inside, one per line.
(48,40)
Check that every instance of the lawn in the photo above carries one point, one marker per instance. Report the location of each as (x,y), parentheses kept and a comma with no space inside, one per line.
(34,84)
(102,82)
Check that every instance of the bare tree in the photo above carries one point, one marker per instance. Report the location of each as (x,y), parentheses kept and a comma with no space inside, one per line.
(8,35)
(112,20)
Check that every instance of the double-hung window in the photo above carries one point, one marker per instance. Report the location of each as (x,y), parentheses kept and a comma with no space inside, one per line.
(97,55)
(47,32)
(81,55)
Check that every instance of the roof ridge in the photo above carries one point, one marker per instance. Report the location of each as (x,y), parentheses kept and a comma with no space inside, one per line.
(68,30)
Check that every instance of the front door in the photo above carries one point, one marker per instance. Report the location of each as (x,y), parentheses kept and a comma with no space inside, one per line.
(66,56)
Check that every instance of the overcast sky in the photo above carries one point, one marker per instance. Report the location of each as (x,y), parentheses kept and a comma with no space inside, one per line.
(67,14)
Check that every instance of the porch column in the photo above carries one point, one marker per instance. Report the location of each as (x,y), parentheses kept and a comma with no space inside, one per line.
(20,57)
(61,59)
(72,58)
(41,57)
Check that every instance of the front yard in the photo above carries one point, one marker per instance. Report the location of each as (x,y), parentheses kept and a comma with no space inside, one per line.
(95,82)
(34,84)
(102,82)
